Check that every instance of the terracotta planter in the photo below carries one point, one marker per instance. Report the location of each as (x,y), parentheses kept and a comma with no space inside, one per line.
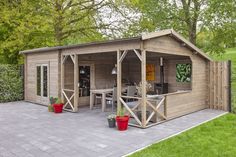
(122,122)
(58,108)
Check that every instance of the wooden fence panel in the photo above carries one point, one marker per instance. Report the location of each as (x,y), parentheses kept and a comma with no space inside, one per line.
(219,85)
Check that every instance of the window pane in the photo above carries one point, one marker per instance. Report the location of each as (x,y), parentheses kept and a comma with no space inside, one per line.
(183,72)
(45,81)
(39,80)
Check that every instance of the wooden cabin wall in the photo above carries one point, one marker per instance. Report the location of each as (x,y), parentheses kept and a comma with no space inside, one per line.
(103,64)
(194,100)
(134,68)
(103,77)
(30,75)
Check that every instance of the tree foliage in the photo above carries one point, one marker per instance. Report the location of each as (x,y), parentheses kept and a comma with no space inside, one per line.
(27,24)
(215,19)
(183,72)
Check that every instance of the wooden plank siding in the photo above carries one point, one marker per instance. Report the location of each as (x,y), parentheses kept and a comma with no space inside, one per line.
(219,85)
(30,73)
(104,58)
(194,100)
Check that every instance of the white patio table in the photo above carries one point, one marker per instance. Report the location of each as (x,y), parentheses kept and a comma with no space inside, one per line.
(103,92)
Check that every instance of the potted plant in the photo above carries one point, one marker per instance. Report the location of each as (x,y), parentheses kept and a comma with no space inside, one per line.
(122,120)
(50,106)
(58,106)
(139,87)
(111,120)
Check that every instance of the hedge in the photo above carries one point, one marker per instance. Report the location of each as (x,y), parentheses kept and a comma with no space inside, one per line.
(11,83)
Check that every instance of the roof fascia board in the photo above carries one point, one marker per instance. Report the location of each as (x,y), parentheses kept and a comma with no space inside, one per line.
(46,49)
(188,43)
(156,34)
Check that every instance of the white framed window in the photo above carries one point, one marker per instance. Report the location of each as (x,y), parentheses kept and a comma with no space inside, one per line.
(42,80)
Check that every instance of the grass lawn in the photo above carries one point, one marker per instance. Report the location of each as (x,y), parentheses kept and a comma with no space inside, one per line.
(216,138)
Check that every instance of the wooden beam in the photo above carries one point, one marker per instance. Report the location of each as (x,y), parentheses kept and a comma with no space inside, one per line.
(72,58)
(123,56)
(119,76)
(136,105)
(76,80)
(138,54)
(165,107)
(131,112)
(214,80)
(63,58)
(62,77)
(68,100)
(25,76)
(143,80)
(155,110)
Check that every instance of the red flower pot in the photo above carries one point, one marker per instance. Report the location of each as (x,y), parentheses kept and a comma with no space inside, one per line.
(58,108)
(122,122)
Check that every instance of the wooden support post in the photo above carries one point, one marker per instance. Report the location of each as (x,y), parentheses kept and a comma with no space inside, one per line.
(228,86)
(143,73)
(119,78)
(165,106)
(211,85)
(62,77)
(76,80)
(215,84)
(25,76)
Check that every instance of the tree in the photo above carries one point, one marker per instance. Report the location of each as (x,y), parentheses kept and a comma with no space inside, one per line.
(74,18)
(21,28)
(27,24)
(189,17)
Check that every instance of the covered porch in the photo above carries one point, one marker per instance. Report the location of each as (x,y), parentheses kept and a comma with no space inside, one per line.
(83,73)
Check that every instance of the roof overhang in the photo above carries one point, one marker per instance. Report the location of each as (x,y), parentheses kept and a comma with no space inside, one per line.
(147,36)
(46,49)
(178,37)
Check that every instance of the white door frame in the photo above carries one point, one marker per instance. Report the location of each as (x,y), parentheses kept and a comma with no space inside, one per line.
(40,98)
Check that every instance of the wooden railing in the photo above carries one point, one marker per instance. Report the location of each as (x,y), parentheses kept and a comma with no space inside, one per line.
(68,99)
(132,110)
(154,105)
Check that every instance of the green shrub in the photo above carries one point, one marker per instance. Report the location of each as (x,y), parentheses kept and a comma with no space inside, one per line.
(11,83)
(183,72)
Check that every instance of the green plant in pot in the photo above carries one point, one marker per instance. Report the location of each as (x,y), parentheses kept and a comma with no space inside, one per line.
(52,101)
(111,120)
(58,106)
(122,120)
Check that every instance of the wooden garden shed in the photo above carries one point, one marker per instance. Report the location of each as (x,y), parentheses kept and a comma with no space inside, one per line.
(182,78)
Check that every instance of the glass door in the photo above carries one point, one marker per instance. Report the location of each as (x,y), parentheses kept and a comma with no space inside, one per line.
(42,83)
(84,81)
(86,75)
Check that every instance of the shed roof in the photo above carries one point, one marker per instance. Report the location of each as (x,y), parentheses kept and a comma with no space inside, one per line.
(139,38)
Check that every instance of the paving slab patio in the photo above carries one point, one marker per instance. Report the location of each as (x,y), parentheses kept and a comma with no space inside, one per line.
(28,130)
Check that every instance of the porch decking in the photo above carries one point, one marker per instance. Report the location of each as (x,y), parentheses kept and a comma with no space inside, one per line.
(29,130)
